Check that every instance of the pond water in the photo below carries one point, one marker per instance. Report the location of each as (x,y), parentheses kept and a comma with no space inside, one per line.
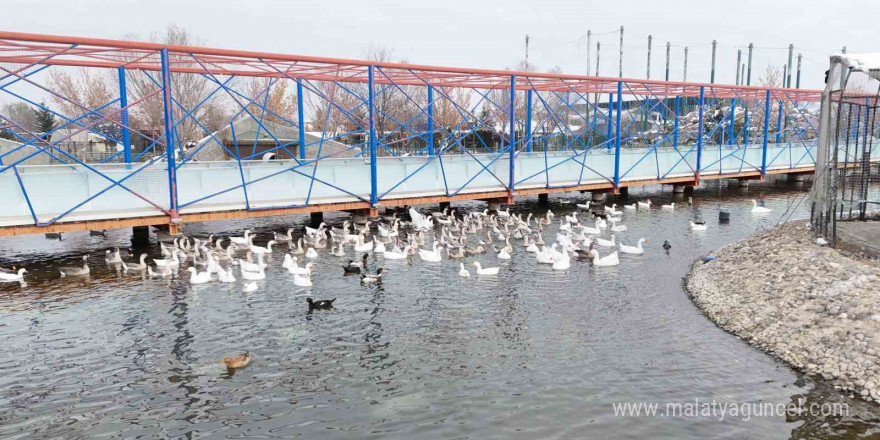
(530,353)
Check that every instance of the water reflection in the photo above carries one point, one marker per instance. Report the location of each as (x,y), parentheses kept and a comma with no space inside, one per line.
(425,354)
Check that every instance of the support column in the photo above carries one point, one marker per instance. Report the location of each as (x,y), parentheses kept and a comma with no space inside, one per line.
(610,125)
(543,199)
(374,192)
(512,156)
(678,188)
(430,120)
(445,205)
(766,126)
(300,119)
(123,115)
(598,196)
(623,191)
(617,136)
(700,137)
(529,120)
(315,218)
(169,132)
(743,183)
(140,236)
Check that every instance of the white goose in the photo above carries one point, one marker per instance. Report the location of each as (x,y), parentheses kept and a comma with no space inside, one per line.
(759,209)
(311,253)
(378,246)
(142,265)
(485,271)
(636,250)
(432,255)
(615,227)
(360,246)
(12,276)
(169,263)
(164,272)
(701,226)
(252,267)
(249,287)
(396,253)
(76,271)
(241,240)
(563,261)
(632,206)
(645,204)
(304,280)
(299,248)
(504,254)
(224,275)
(113,258)
(198,278)
(606,243)
(590,231)
(462,272)
(296,270)
(669,207)
(252,276)
(608,260)
(259,249)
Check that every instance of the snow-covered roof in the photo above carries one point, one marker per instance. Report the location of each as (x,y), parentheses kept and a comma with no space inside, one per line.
(864,62)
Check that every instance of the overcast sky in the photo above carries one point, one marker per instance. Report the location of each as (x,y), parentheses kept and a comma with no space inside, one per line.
(490,34)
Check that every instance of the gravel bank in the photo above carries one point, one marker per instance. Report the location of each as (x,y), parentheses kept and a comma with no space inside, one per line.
(808,305)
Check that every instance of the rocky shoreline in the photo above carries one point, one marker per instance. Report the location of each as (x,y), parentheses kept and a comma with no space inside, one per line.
(809,305)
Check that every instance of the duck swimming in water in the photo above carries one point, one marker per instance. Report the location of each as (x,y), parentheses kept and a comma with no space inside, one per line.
(666,245)
(373,278)
(233,362)
(322,304)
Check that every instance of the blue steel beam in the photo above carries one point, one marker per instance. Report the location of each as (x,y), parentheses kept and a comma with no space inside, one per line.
(512,141)
(700,132)
(169,131)
(374,191)
(617,135)
(300,118)
(766,127)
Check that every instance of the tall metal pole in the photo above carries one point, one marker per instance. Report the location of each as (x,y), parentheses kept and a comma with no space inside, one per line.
(589,43)
(169,130)
(431,120)
(685,76)
(739,55)
(527,49)
(749,75)
(123,115)
(300,119)
(620,56)
(790,60)
(668,48)
(784,73)
(714,47)
(649,57)
(512,156)
(374,190)
(598,52)
(798,81)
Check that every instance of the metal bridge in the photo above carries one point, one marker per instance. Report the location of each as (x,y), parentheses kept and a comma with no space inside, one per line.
(357,135)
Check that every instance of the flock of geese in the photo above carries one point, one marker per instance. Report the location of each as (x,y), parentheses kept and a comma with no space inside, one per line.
(456,234)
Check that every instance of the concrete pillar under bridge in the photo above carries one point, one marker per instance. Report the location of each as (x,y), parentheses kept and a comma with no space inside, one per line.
(140,236)
(544,198)
(743,182)
(598,196)
(361,216)
(496,202)
(681,188)
(315,218)
(797,177)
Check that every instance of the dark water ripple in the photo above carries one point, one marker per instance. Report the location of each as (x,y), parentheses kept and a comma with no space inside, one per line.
(532,353)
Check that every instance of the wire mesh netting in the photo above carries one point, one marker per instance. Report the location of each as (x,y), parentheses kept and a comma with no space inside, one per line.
(847,185)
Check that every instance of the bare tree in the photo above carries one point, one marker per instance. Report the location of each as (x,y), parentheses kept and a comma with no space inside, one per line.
(18,113)
(80,91)
(280,105)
